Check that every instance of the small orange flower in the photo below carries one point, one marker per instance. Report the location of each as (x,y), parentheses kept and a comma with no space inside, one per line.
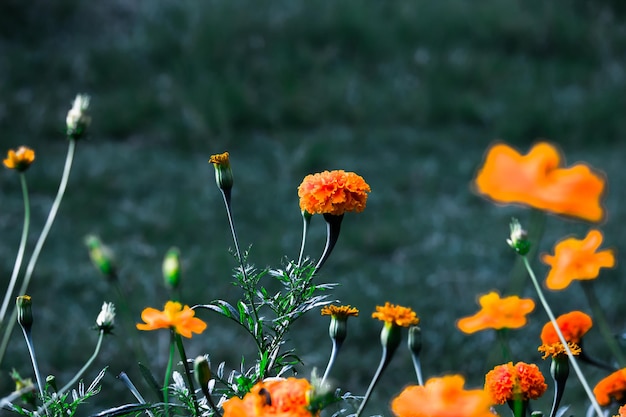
(557,349)
(576,259)
(442,397)
(333,192)
(497,313)
(394,314)
(508,382)
(573,325)
(340,312)
(174,316)
(613,387)
(19,159)
(273,397)
(537,180)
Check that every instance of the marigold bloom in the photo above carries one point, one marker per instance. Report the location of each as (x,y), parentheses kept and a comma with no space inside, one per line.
(497,313)
(557,349)
(273,397)
(19,159)
(333,192)
(613,387)
(394,314)
(576,259)
(174,316)
(508,382)
(622,411)
(573,325)
(341,312)
(442,397)
(537,180)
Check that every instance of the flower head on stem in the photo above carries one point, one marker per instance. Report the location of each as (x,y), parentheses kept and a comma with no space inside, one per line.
(19,159)
(78,120)
(333,192)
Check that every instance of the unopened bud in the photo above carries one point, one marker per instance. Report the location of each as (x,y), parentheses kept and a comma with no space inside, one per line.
(415,340)
(518,240)
(51,381)
(106,318)
(223,173)
(101,257)
(24,312)
(201,371)
(171,268)
(78,119)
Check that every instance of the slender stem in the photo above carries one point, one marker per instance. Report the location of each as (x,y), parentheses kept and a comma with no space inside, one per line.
(333,355)
(40,242)
(600,318)
(558,395)
(183,357)
(384,361)
(20,253)
(31,351)
(504,343)
(333,227)
(306,220)
(168,372)
(571,357)
(207,394)
(417,364)
(128,321)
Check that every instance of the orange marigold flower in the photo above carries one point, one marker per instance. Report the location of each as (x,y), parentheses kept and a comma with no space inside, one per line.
(273,397)
(613,387)
(573,325)
(557,349)
(508,382)
(342,312)
(622,411)
(19,159)
(333,192)
(576,259)
(442,397)
(497,313)
(394,314)
(537,180)
(174,316)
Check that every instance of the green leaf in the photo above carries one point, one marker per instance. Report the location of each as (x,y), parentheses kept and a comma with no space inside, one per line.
(151,380)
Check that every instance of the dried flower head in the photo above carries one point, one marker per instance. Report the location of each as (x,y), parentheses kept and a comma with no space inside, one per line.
(576,259)
(520,381)
(333,192)
(573,326)
(397,315)
(613,387)
(106,318)
(19,159)
(498,313)
(174,316)
(538,180)
(442,397)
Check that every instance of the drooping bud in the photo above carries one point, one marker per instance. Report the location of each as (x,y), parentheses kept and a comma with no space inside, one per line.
(24,312)
(101,257)
(202,371)
(171,268)
(106,318)
(78,119)
(223,172)
(518,240)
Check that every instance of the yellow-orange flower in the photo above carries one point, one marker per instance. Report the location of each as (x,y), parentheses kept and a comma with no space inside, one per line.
(622,411)
(576,259)
(613,387)
(573,325)
(497,313)
(174,316)
(19,159)
(442,397)
(341,312)
(397,315)
(557,349)
(273,397)
(508,382)
(537,180)
(333,192)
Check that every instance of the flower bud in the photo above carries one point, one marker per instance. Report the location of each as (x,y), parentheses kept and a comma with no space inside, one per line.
(201,371)
(518,240)
(171,268)
(415,340)
(390,336)
(51,381)
(106,318)
(24,312)
(77,119)
(338,329)
(223,173)
(101,257)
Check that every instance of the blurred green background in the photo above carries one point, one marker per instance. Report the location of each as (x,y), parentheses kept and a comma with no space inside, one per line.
(408,94)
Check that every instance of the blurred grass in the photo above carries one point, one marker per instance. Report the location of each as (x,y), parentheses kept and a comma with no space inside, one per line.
(407,93)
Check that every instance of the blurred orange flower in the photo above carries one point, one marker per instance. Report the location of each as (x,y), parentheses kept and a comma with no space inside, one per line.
(333,192)
(19,159)
(341,312)
(507,382)
(442,397)
(174,316)
(536,180)
(573,325)
(397,315)
(497,313)
(273,397)
(622,411)
(576,259)
(613,387)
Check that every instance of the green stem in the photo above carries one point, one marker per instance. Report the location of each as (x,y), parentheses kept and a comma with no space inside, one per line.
(571,357)
(504,343)
(31,351)
(333,228)
(183,357)
(306,220)
(384,361)
(333,355)
(600,318)
(128,321)
(417,364)
(40,242)
(168,372)
(20,253)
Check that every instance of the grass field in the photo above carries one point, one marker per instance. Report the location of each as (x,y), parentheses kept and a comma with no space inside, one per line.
(408,94)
